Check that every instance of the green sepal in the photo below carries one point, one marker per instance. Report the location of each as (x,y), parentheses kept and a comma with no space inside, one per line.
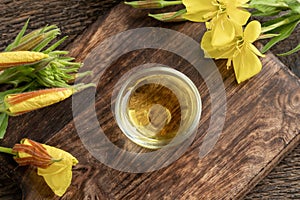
(18,38)
(277,23)
(271,12)
(3,124)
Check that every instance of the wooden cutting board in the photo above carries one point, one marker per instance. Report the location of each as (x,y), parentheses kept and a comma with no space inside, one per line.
(261,125)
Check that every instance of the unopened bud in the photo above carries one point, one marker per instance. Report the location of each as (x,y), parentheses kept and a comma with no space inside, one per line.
(32,153)
(152,4)
(16,104)
(170,16)
(29,44)
(15,58)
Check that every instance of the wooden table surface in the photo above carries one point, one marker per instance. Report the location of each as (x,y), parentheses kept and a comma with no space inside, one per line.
(73,17)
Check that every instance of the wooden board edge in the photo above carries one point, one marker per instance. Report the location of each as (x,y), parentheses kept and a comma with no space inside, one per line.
(90,30)
(270,166)
(284,67)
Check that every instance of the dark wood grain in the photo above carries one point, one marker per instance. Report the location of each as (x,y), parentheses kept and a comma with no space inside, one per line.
(72,16)
(271,124)
(261,125)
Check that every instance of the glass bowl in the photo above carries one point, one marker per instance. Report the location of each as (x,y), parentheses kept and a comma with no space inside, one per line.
(157,107)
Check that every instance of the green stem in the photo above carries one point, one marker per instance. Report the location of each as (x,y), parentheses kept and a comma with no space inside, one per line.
(171,3)
(280,23)
(7,150)
(266,36)
(80,87)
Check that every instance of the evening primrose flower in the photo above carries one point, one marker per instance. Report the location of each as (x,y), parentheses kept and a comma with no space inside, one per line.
(15,58)
(16,104)
(241,52)
(222,15)
(55,165)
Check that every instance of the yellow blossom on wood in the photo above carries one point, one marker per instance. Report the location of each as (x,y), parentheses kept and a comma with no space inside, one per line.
(241,52)
(222,17)
(57,164)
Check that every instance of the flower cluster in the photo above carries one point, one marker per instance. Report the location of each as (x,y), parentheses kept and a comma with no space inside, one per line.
(35,74)
(225,38)
(229,33)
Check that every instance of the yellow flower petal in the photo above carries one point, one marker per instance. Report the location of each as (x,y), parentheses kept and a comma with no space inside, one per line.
(238,16)
(60,182)
(58,175)
(199,11)
(214,52)
(246,64)
(252,31)
(235,3)
(255,50)
(223,31)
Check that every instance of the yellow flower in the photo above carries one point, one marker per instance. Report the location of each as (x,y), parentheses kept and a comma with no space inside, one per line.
(16,104)
(55,165)
(14,58)
(240,51)
(222,15)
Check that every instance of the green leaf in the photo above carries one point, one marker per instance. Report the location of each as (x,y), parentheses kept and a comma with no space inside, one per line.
(297,48)
(16,75)
(268,3)
(30,35)
(265,9)
(285,20)
(42,44)
(294,5)
(276,20)
(3,124)
(285,31)
(55,45)
(18,38)
(257,13)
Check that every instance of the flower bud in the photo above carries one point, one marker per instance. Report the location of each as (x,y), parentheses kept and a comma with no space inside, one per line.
(16,104)
(15,58)
(152,4)
(32,153)
(30,44)
(170,16)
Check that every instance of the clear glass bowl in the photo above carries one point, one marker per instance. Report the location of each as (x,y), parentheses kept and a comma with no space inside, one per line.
(158,106)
